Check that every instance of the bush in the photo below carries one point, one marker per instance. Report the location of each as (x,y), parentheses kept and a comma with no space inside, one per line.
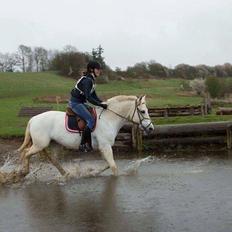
(198,85)
(70,63)
(214,86)
(158,70)
(184,86)
(185,71)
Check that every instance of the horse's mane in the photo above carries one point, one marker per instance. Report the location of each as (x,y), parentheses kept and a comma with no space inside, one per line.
(121,98)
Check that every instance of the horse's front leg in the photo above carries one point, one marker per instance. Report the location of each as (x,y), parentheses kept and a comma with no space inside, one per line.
(55,162)
(107,153)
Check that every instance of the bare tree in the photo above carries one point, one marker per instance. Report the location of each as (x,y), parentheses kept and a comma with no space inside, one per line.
(70,48)
(8,61)
(41,58)
(25,57)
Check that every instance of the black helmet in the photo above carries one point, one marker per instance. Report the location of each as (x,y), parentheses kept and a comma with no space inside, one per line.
(92,65)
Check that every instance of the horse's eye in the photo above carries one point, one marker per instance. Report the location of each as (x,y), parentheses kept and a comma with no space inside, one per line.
(143,111)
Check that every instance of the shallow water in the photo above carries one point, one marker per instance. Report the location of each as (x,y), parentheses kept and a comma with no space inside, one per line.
(153,195)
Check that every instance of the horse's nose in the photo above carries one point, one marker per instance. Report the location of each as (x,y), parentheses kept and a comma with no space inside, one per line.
(150,129)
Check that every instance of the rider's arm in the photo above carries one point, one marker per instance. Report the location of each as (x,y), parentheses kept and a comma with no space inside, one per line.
(94,95)
(87,86)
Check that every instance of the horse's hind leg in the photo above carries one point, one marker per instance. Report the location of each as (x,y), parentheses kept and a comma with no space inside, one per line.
(108,155)
(26,159)
(24,151)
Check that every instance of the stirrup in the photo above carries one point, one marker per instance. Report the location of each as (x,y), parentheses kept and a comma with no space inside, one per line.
(85,147)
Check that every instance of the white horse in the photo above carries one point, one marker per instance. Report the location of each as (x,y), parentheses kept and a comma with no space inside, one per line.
(43,128)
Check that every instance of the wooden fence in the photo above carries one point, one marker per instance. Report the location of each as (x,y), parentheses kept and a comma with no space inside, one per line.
(32,111)
(195,134)
(224,111)
(217,133)
(178,111)
(153,112)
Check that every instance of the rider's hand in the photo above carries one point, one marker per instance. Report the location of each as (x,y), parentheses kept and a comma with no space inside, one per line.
(104,106)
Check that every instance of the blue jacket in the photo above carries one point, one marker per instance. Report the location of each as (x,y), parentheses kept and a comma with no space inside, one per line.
(84,91)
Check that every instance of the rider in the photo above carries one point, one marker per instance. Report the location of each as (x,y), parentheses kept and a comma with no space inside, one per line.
(84,91)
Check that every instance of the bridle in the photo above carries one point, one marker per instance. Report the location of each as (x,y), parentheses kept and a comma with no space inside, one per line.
(140,115)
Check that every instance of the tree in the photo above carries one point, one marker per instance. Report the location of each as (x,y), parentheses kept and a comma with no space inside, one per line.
(25,57)
(228,69)
(185,71)
(213,86)
(157,69)
(198,85)
(220,71)
(70,63)
(97,55)
(41,58)
(70,48)
(8,61)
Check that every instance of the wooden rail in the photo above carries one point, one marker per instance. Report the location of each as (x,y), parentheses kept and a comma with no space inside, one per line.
(224,111)
(213,133)
(32,111)
(177,111)
(192,134)
(153,112)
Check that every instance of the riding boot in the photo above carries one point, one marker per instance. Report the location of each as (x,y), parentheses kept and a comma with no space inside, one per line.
(86,143)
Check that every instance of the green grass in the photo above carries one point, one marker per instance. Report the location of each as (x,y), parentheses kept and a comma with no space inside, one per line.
(192,119)
(159,92)
(19,89)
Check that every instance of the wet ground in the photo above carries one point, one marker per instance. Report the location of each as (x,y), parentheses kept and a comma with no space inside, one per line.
(158,194)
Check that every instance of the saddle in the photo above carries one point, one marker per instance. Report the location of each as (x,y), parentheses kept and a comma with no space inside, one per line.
(74,123)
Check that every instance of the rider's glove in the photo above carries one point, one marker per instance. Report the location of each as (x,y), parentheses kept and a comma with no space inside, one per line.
(104,106)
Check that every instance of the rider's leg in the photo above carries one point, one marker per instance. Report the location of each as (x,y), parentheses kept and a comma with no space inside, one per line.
(82,111)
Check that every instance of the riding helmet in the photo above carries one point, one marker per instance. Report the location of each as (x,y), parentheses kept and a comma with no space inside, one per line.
(92,65)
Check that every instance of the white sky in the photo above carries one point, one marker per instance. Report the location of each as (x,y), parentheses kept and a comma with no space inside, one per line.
(130,31)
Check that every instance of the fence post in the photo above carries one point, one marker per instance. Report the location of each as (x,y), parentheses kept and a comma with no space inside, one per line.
(133,137)
(229,137)
(137,139)
(202,110)
(58,98)
(191,110)
(166,113)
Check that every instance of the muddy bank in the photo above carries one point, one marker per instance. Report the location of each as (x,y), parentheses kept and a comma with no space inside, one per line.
(7,144)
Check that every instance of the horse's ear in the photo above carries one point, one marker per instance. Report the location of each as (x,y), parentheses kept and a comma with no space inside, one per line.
(144,97)
(141,98)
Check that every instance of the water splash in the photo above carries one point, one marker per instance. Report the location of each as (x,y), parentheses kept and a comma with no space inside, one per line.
(75,169)
(134,165)
(9,171)
(47,173)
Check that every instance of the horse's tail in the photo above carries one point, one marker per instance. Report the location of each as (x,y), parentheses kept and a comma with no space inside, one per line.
(27,138)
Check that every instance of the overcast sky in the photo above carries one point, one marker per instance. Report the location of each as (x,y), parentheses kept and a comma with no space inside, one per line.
(130,31)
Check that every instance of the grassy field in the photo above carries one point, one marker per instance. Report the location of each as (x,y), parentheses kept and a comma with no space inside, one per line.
(19,89)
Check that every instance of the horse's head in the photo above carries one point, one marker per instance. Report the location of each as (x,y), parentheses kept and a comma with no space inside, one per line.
(141,115)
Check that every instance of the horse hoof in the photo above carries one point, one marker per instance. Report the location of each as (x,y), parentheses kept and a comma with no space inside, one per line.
(67,176)
(115,171)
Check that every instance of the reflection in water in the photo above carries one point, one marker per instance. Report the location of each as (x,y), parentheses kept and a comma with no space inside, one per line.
(88,209)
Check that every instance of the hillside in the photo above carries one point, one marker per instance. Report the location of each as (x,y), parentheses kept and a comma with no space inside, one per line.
(21,89)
